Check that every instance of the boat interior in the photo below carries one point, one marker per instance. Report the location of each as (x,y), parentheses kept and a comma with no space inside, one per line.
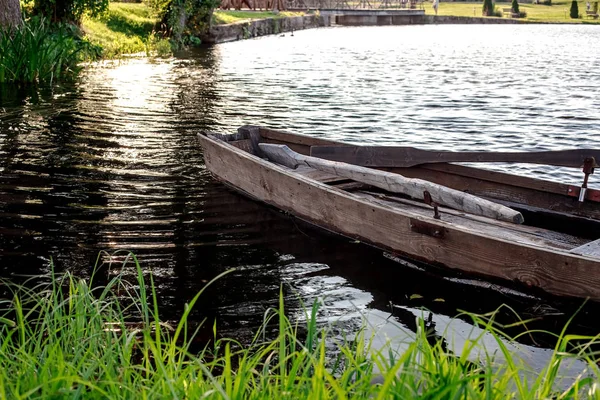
(553,214)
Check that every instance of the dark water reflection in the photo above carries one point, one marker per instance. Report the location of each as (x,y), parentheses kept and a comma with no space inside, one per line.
(111,162)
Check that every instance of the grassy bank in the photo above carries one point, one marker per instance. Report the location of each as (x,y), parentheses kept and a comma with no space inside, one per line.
(130,28)
(558,12)
(126,28)
(65,340)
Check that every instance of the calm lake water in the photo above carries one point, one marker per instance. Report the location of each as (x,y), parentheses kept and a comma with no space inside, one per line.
(111,162)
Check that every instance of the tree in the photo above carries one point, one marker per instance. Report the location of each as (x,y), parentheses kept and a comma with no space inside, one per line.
(188,18)
(515,6)
(69,10)
(10,14)
(574,9)
(488,8)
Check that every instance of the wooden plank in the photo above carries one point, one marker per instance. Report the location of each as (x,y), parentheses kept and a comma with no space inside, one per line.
(295,138)
(555,271)
(504,230)
(591,249)
(253,134)
(401,156)
(317,175)
(491,184)
(245,145)
(229,137)
(395,183)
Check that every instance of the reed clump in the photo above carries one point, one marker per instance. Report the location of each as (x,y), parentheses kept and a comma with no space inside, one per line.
(66,339)
(38,51)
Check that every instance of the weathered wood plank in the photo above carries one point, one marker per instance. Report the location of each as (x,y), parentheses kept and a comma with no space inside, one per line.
(504,230)
(402,156)
(395,183)
(295,138)
(555,271)
(519,189)
(253,134)
(245,145)
(591,249)
(317,175)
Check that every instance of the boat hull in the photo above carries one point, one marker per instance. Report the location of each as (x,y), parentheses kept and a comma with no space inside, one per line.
(427,239)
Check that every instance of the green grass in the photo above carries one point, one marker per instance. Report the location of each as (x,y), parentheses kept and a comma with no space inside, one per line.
(126,28)
(67,340)
(558,12)
(221,17)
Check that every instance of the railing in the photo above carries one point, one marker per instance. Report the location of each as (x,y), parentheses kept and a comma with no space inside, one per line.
(322,4)
(353,4)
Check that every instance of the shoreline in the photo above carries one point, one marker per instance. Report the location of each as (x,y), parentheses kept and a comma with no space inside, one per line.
(273,26)
(263,27)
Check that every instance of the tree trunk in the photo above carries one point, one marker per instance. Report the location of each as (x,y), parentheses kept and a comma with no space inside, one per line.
(10,14)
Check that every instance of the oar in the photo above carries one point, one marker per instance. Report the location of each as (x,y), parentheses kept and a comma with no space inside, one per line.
(393,156)
(396,183)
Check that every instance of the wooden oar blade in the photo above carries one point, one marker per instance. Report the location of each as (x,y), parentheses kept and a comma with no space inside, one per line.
(281,154)
(400,156)
(396,183)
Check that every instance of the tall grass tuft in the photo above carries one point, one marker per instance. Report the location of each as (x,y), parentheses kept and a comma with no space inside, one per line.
(40,52)
(66,339)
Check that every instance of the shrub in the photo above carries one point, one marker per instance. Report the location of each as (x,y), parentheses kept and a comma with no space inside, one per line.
(515,7)
(488,8)
(157,46)
(574,13)
(39,52)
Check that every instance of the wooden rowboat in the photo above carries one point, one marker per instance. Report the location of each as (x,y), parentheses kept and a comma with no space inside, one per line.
(414,203)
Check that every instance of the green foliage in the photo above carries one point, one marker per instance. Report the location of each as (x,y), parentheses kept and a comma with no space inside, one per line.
(157,46)
(159,7)
(38,51)
(71,11)
(488,8)
(188,17)
(515,7)
(66,339)
(574,11)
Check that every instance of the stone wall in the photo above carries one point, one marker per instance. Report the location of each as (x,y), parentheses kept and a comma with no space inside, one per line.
(269,26)
(376,20)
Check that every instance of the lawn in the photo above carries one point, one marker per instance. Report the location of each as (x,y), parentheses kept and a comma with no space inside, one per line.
(221,17)
(126,28)
(557,12)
